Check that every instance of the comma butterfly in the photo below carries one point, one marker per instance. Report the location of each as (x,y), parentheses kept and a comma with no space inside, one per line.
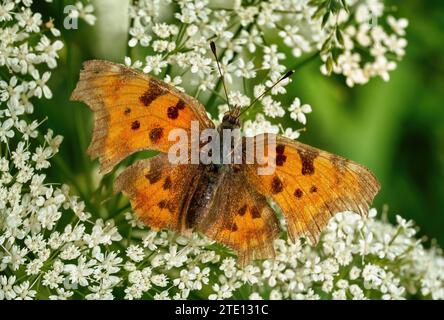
(227,202)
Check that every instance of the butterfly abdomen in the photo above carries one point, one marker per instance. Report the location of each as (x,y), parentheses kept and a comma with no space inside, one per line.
(203,194)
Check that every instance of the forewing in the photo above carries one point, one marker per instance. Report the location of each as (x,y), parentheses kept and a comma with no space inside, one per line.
(132,111)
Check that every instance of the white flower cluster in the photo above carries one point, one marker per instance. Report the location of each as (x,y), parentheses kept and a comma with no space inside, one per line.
(174,43)
(356,258)
(365,48)
(33,239)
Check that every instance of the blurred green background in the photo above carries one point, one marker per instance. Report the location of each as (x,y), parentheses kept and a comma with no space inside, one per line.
(396,129)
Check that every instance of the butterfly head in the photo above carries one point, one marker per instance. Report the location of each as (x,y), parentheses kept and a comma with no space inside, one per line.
(231,119)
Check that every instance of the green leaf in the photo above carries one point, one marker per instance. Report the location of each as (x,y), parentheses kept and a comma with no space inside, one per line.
(339,37)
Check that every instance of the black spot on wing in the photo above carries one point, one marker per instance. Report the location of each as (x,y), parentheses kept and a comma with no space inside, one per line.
(276,185)
(135,125)
(307,158)
(234,227)
(280,149)
(280,159)
(164,204)
(156,134)
(242,210)
(153,176)
(154,91)
(167,183)
(180,104)
(298,193)
(173,113)
(255,214)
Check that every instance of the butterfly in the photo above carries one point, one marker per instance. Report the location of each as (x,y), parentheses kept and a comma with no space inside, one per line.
(229,203)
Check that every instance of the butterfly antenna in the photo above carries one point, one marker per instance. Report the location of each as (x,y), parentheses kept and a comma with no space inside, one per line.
(222,79)
(285,76)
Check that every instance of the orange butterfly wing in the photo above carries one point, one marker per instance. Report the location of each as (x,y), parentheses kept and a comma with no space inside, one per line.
(310,186)
(132,111)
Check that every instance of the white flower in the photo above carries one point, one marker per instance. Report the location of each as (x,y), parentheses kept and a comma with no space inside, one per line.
(382,66)
(24,292)
(53,278)
(5,11)
(49,51)
(249,274)
(136,64)
(174,258)
(396,45)
(163,45)
(291,134)
(260,125)
(372,275)
(186,280)
(162,296)
(160,280)
(139,35)
(84,12)
(398,25)
(154,64)
(255,296)
(202,277)
(164,30)
(298,111)
(5,130)
(238,99)
(6,287)
(272,108)
(293,38)
(135,253)
(220,292)
(247,14)
(176,81)
(29,20)
(228,266)
(251,39)
(80,273)
(199,64)
(245,69)
(10,91)
(150,240)
(62,294)
(39,85)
